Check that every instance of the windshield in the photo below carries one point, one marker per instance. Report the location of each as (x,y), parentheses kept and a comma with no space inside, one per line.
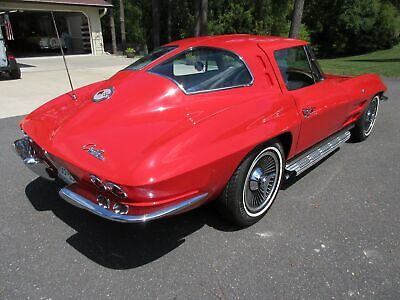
(148,59)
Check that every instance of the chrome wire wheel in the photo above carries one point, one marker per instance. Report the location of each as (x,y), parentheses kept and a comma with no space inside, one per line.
(262,181)
(370,115)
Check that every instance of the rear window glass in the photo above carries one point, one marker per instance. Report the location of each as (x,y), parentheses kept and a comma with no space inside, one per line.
(148,59)
(205,69)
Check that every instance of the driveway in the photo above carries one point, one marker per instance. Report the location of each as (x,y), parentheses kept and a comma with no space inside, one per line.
(333,233)
(44,78)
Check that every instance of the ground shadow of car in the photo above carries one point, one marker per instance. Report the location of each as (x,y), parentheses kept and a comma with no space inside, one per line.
(121,246)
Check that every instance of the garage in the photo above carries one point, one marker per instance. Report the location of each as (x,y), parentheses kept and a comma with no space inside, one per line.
(33,32)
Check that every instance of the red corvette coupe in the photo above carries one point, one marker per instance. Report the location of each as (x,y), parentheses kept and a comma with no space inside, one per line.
(223,117)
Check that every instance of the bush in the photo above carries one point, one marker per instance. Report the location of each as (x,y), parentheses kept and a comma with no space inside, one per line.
(130,52)
(351,27)
(261,17)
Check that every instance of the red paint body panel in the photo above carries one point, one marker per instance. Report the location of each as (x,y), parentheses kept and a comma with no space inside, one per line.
(162,145)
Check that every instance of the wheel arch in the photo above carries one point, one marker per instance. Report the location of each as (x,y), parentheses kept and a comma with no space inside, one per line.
(286,139)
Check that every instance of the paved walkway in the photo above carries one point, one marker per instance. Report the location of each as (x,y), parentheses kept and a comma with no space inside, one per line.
(44,78)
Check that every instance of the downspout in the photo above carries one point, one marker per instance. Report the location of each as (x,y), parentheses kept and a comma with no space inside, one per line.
(103,13)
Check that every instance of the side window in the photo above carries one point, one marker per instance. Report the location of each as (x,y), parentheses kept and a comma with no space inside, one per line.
(295,68)
(205,69)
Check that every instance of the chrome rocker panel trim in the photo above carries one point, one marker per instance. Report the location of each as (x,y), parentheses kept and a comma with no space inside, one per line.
(312,156)
(83,203)
(23,148)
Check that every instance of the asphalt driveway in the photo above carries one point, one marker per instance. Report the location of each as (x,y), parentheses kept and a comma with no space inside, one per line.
(332,233)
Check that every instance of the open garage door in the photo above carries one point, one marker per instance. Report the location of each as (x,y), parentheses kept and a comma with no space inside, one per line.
(34,33)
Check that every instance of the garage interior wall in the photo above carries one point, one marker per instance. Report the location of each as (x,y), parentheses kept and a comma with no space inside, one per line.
(92,14)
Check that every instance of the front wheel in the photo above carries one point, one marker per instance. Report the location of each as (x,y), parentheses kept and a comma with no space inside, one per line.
(254,186)
(366,122)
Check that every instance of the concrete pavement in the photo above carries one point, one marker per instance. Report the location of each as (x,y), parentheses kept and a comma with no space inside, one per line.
(44,78)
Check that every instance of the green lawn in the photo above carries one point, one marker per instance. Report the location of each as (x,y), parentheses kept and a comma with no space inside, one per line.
(385,62)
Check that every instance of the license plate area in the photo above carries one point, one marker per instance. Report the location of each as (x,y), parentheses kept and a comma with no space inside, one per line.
(65,175)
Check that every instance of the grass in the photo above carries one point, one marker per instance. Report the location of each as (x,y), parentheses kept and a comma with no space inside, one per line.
(385,63)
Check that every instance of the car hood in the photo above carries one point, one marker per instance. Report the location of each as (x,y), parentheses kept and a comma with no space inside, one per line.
(144,112)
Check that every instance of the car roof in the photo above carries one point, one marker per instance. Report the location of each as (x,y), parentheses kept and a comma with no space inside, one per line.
(247,46)
(236,42)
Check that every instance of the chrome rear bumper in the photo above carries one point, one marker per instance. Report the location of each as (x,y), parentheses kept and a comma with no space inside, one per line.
(23,147)
(83,203)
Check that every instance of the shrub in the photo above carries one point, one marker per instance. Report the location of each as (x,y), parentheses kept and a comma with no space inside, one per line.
(348,27)
(130,52)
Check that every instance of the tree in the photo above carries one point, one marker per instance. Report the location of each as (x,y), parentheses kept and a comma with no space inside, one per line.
(156,23)
(112,29)
(296,18)
(280,16)
(201,15)
(395,3)
(350,27)
(234,18)
(262,17)
(122,23)
(335,27)
(169,20)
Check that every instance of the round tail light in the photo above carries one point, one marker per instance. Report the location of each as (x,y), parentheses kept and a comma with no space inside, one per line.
(103,201)
(97,182)
(120,208)
(116,190)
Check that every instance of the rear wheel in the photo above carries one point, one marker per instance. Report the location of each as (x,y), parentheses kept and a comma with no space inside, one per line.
(254,186)
(366,122)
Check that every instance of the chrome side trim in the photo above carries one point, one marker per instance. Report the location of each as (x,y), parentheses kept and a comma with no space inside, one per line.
(318,152)
(83,203)
(23,148)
